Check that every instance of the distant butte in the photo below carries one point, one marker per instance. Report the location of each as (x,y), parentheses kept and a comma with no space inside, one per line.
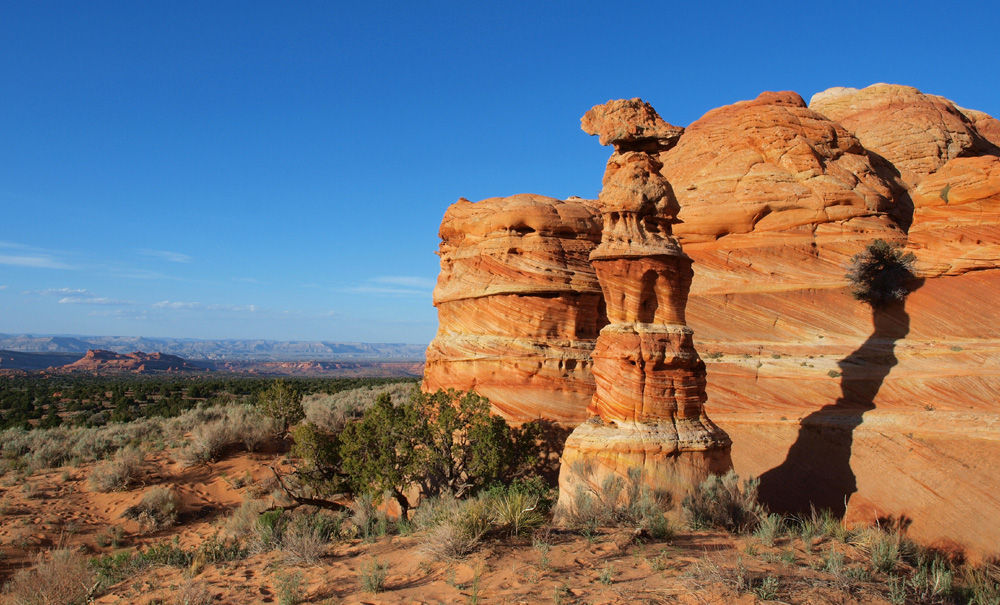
(99,361)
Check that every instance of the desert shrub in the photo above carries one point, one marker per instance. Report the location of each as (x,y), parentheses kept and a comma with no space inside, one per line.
(282,402)
(720,502)
(878,274)
(445,441)
(456,527)
(368,520)
(770,527)
(306,536)
(331,413)
(209,442)
(249,426)
(193,593)
(64,578)
(241,523)
(619,502)
(112,536)
(52,453)
(157,510)
(372,576)
(319,465)
(515,512)
(268,530)
(119,473)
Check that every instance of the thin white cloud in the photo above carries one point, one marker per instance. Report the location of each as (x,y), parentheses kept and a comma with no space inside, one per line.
(120,313)
(394,285)
(34,262)
(4,287)
(385,290)
(405,281)
(166,304)
(93,300)
(167,255)
(80,296)
(66,292)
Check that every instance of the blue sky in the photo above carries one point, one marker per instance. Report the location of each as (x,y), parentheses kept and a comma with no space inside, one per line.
(279,170)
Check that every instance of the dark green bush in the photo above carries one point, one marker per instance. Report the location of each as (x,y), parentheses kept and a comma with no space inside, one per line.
(282,402)
(439,442)
(878,274)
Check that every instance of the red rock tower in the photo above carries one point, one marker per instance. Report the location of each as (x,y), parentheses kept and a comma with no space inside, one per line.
(648,409)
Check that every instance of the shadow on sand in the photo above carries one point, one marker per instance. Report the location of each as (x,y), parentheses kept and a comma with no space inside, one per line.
(817,470)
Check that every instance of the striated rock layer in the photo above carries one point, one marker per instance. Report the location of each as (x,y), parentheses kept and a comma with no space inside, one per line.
(649,419)
(889,414)
(518,304)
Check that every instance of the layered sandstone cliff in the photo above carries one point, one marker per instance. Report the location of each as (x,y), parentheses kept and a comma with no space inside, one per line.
(519,305)
(882,414)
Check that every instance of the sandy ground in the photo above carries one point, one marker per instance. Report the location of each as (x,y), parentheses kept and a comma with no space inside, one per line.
(60,510)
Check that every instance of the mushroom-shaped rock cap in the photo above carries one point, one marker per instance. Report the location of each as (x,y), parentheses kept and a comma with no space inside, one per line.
(630,125)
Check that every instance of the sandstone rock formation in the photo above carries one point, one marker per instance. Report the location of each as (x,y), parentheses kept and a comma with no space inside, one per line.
(99,361)
(649,417)
(519,305)
(917,133)
(892,414)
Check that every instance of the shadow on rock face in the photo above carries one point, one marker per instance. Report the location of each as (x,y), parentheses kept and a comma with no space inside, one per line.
(817,470)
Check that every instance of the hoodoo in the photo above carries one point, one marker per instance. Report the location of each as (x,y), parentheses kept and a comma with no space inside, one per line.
(648,409)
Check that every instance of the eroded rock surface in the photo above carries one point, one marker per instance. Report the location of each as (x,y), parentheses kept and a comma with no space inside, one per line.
(519,305)
(649,421)
(876,415)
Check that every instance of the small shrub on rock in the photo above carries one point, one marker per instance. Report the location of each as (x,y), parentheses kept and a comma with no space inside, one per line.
(878,274)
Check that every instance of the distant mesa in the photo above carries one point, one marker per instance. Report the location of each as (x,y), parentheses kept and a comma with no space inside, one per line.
(20,354)
(101,361)
(234,349)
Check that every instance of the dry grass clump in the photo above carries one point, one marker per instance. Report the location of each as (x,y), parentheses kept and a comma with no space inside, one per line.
(225,429)
(193,593)
(721,502)
(157,510)
(372,576)
(208,443)
(65,577)
(306,537)
(619,502)
(332,412)
(302,537)
(368,520)
(770,527)
(250,426)
(515,512)
(240,524)
(456,527)
(119,473)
